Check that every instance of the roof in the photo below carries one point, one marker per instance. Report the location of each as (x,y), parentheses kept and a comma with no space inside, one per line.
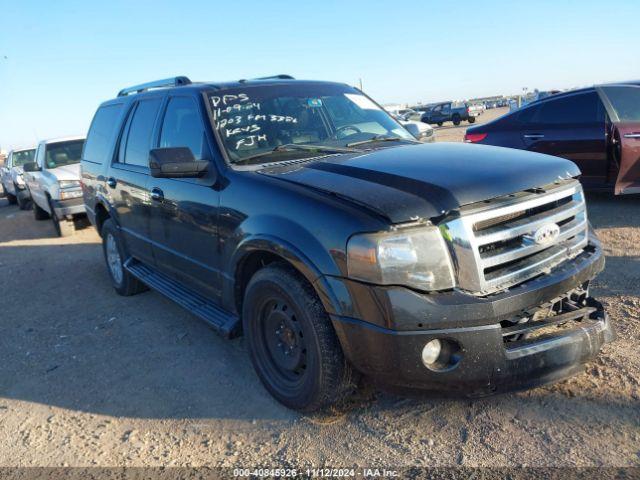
(568,93)
(183,82)
(63,139)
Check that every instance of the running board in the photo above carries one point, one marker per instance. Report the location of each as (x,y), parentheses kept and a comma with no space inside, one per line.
(223,322)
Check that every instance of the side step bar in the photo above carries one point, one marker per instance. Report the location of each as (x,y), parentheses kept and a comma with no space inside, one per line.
(226,324)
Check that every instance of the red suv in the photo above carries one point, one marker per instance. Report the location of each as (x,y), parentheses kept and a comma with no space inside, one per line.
(598,128)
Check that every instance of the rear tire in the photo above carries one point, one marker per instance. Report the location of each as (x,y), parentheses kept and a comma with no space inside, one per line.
(456,119)
(292,344)
(439,124)
(39,213)
(471,119)
(115,255)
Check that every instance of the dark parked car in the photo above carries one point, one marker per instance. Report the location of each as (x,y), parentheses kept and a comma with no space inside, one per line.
(598,128)
(301,215)
(455,112)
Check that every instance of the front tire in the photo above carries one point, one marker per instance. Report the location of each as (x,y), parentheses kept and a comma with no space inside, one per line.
(292,344)
(471,119)
(39,213)
(115,255)
(11,198)
(64,227)
(23,202)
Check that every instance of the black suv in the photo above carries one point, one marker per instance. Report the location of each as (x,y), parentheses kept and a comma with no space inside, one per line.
(300,214)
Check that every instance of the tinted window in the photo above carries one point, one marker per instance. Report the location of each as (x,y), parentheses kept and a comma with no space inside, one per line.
(182,126)
(625,102)
(576,109)
(63,153)
(139,138)
(101,133)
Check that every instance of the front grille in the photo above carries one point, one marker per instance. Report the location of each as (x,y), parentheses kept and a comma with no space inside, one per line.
(510,240)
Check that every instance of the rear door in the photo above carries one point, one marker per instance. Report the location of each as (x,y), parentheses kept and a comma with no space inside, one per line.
(128,178)
(623,106)
(184,218)
(572,127)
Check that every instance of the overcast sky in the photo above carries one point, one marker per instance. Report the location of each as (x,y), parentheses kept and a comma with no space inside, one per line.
(59,60)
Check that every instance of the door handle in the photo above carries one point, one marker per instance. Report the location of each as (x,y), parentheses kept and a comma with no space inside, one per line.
(157,195)
(533,136)
(631,135)
(112,182)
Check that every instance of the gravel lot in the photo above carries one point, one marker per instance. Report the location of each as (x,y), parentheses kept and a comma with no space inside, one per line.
(91,378)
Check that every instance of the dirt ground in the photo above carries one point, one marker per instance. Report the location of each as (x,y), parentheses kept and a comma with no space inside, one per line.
(91,378)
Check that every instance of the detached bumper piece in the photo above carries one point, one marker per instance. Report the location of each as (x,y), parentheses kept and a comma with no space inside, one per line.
(544,345)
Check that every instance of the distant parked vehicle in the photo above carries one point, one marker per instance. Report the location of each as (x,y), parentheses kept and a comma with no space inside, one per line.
(422,131)
(410,114)
(53,180)
(11,175)
(598,128)
(450,112)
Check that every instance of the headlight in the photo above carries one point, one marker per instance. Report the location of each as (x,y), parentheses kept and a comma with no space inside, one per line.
(20,179)
(69,183)
(416,257)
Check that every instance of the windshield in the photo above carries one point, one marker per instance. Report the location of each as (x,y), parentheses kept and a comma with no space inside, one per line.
(63,153)
(20,158)
(268,122)
(624,103)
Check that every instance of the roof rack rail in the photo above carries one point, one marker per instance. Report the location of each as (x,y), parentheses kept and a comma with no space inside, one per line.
(281,76)
(143,87)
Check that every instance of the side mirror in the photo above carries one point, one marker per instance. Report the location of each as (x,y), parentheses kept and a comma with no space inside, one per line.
(413,129)
(31,167)
(176,162)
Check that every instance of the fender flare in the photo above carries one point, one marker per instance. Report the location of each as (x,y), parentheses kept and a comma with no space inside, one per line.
(293,255)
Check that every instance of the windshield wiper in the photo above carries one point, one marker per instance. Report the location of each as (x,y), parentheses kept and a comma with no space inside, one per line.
(292,147)
(378,138)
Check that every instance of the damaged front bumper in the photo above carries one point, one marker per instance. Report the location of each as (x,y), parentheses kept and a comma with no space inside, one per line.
(537,333)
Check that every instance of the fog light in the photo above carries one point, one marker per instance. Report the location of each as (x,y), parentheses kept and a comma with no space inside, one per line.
(431,352)
(441,355)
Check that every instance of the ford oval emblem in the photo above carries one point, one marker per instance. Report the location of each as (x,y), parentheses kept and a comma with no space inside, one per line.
(546,234)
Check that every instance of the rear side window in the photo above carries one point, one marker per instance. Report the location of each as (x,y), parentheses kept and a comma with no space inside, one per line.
(182,126)
(101,133)
(584,108)
(136,151)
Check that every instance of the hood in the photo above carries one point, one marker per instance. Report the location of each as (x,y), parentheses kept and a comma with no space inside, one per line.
(426,181)
(18,170)
(66,172)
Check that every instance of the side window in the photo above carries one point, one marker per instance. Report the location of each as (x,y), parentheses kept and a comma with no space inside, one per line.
(8,161)
(527,114)
(138,143)
(182,126)
(583,108)
(101,132)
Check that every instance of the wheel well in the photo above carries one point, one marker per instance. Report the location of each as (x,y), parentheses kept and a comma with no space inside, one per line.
(247,268)
(101,216)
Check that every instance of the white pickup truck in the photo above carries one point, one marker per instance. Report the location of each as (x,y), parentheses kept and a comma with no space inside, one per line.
(53,179)
(12,179)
